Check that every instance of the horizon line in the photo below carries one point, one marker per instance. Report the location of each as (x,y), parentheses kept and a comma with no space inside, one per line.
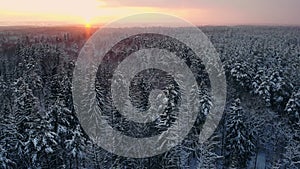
(100,25)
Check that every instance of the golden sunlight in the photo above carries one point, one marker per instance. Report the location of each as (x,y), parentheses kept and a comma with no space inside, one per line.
(88,22)
(88,25)
(90,13)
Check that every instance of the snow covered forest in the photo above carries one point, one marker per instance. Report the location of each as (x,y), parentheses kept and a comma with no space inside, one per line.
(260,127)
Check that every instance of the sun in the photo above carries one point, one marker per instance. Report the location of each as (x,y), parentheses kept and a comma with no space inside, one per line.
(88,25)
(88,22)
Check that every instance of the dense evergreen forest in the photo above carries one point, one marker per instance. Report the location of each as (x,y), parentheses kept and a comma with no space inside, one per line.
(260,127)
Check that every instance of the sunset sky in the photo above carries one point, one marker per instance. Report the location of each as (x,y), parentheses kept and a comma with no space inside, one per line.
(199,12)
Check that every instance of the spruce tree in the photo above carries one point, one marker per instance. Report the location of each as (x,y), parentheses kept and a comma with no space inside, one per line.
(239,143)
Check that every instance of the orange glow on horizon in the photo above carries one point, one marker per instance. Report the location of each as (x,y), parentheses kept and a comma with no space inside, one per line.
(86,13)
(99,12)
(88,22)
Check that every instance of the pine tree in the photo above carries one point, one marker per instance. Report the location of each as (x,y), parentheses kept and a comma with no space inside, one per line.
(60,121)
(205,101)
(42,143)
(75,147)
(27,116)
(241,73)
(293,108)
(206,157)
(291,158)
(8,139)
(262,86)
(239,143)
